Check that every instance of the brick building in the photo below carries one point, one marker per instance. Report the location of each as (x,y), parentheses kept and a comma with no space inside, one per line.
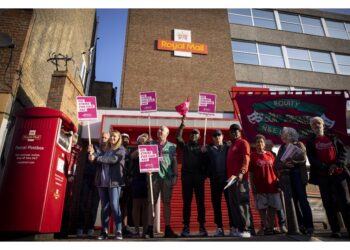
(279,49)
(27,78)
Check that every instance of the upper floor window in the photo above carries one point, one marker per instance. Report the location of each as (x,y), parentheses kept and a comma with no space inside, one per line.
(302,24)
(256,53)
(252,17)
(338,29)
(343,64)
(304,59)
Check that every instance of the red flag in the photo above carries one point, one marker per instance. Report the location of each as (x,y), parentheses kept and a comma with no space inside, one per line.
(183,107)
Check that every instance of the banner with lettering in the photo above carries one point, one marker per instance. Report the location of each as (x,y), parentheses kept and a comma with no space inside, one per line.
(269,111)
(149,160)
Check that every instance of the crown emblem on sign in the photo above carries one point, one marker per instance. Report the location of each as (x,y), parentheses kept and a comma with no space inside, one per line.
(182,36)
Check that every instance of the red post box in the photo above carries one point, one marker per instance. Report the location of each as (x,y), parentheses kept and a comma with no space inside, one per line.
(35,177)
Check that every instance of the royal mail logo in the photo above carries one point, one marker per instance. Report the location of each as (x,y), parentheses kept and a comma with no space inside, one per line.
(182,44)
(31,136)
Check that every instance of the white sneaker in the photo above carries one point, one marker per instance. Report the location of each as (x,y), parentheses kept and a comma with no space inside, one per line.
(245,234)
(219,232)
(234,232)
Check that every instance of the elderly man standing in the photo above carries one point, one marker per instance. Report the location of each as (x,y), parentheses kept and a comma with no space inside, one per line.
(193,174)
(164,181)
(327,157)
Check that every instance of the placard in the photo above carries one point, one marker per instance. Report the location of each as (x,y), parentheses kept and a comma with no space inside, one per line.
(148,158)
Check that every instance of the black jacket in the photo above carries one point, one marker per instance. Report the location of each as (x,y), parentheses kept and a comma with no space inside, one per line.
(193,158)
(317,166)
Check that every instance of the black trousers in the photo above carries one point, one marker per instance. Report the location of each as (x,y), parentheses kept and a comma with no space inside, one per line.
(240,205)
(88,203)
(335,193)
(193,184)
(217,189)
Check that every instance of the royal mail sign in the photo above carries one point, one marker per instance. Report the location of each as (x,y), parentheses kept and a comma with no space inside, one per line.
(182,44)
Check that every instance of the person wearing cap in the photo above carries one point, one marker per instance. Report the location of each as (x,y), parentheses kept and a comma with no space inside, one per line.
(238,157)
(328,170)
(216,154)
(125,198)
(193,174)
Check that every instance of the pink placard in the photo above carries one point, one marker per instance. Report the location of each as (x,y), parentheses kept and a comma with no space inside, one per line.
(149,160)
(207,103)
(86,108)
(148,101)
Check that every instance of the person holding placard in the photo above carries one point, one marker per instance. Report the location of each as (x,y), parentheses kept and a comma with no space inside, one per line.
(89,192)
(109,181)
(193,175)
(291,170)
(139,189)
(164,181)
(328,158)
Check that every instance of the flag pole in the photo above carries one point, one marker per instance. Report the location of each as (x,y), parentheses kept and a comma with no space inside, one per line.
(149,125)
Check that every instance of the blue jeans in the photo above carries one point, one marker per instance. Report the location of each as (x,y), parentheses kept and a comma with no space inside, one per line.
(110,200)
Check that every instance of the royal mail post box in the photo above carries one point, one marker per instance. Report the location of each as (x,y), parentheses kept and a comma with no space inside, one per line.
(34,184)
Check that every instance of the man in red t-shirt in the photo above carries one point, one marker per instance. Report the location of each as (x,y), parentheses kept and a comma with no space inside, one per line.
(264,184)
(328,170)
(238,157)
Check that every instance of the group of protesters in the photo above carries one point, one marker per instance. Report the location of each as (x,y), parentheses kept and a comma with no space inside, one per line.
(235,169)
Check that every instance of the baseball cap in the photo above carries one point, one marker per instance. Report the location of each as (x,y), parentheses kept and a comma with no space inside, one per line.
(235,127)
(195,131)
(125,135)
(217,132)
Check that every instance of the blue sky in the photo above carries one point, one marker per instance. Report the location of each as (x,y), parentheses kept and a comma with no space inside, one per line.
(110,46)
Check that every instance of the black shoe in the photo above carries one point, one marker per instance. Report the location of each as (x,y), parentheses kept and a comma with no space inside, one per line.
(336,235)
(149,232)
(126,233)
(169,233)
(185,231)
(103,236)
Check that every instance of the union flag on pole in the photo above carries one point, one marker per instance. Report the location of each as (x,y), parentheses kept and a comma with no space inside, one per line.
(183,108)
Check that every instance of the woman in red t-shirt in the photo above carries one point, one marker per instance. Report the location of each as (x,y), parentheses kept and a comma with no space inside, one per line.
(264,184)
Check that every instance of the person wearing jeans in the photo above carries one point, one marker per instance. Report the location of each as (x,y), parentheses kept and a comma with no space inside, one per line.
(109,180)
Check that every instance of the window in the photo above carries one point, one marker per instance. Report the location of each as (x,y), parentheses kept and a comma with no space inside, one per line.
(337,29)
(245,52)
(304,59)
(258,54)
(290,22)
(252,17)
(301,24)
(343,62)
(83,71)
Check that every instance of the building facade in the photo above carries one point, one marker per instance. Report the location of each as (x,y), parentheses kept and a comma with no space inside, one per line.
(289,49)
(27,77)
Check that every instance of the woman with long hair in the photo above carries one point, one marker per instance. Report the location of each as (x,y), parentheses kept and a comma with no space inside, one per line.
(109,180)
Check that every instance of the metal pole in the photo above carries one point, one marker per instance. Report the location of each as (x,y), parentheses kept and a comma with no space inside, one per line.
(151,191)
(205,130)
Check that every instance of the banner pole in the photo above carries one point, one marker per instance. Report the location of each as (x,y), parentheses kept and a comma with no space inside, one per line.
(151,191)
(205,130)
(89,135)
(149,125)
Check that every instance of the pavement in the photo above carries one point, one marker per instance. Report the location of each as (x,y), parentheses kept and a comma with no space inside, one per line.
(318,236)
